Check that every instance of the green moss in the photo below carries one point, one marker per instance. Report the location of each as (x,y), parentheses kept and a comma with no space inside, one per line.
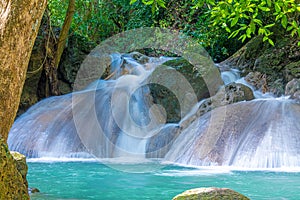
(12,184)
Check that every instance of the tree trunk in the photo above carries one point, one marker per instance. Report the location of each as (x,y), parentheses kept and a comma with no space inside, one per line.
(19,24)
(51,65)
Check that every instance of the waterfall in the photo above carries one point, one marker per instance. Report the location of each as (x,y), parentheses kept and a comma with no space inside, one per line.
(117,118)
(65,126)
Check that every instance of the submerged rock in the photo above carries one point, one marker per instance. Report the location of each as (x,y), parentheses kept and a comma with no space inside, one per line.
(210,193)
(12,183)
(33,190)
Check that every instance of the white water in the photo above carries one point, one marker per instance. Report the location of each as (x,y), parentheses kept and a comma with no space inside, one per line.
(261,134)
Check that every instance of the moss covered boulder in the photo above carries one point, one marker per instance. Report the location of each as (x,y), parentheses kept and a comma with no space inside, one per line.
(178,85)
(22,167)
(274,65)
(210,194)
(12,183)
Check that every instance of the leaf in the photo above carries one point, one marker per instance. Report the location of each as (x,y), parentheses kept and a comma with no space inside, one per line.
(227,29)
(299,44)
(278,16)
(293,32)
(252,27)
(271,42)
(294,23)
(248,32)
(265,38)
(269,2)
(161,3)
(289,28)
(261,31)
(277,7)
(266,9)
(234,34)
(132,1)
(270,25)
(284,21)
(150,2)
(234,21)
(258,21)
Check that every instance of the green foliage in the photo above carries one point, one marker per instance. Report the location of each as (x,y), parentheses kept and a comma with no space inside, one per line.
(244,19)
(256,17)
(100,19)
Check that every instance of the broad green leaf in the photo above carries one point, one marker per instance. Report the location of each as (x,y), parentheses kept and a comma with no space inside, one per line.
(265,38)
(289,28)
(150,2)
(278,16)
(284,21)
(266,9)
(294,23)
(132,1)
(248,32)
(269,2)
(299,43)
(277,7)
(270,25)
(293,32)
(271,42)
(227,29)
(259,22)
(234,21)
(261,31)
(252,27)
(161,3)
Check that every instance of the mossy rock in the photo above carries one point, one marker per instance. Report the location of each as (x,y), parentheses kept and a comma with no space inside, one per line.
(279,63)
(12,184)
(210,194)
(178,85)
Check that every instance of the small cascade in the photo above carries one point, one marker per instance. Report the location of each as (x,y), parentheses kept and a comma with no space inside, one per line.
(255,134)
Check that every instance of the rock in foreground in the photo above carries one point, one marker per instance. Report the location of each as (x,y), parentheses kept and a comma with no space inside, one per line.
(210,193)
(12,184)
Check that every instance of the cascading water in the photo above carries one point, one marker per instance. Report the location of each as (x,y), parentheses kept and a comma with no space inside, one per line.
(256,134)
(49,128)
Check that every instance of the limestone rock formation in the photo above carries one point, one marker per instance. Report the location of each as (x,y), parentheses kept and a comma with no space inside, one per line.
(210,193)
(276,65)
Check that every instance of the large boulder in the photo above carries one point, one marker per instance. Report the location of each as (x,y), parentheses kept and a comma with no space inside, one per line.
(12,183)
(210,193)
(293,89)
(189,81)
